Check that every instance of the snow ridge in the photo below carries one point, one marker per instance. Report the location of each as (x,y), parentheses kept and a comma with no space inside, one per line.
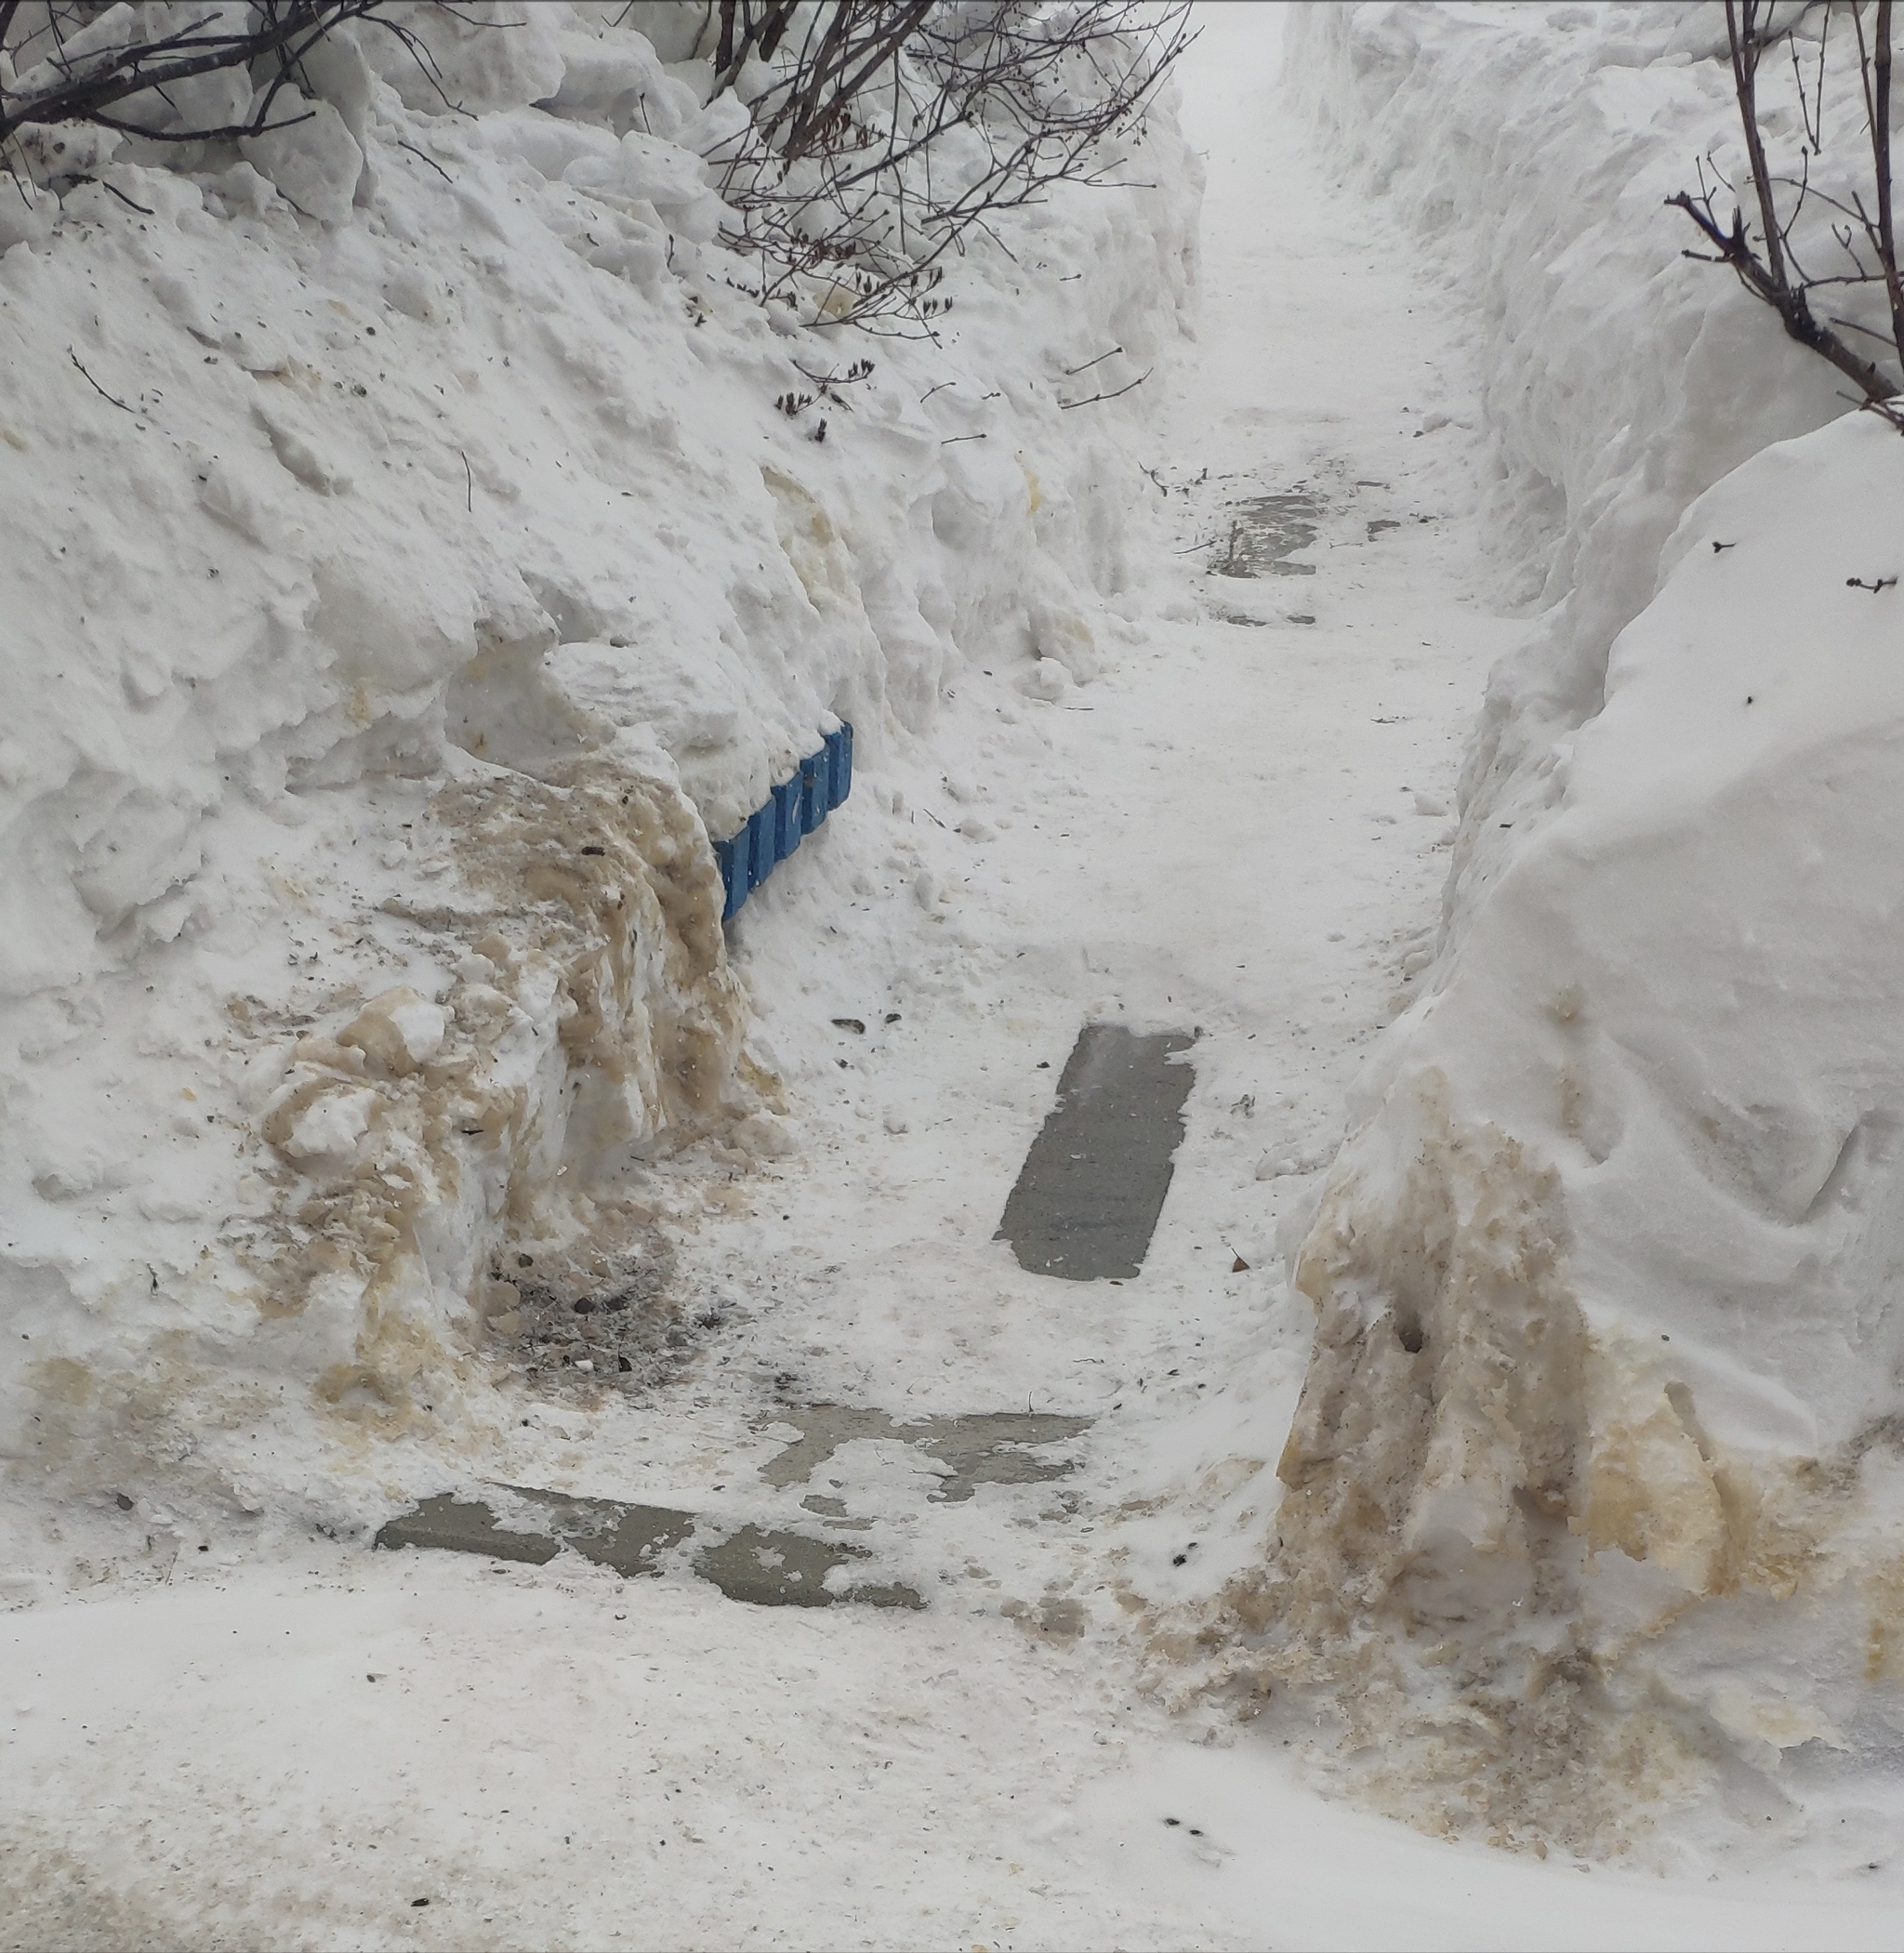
(1533,150)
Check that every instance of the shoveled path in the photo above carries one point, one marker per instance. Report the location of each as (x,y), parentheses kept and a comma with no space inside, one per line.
(1236,832)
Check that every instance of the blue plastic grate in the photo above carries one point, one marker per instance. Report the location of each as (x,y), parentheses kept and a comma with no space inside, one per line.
(797,806)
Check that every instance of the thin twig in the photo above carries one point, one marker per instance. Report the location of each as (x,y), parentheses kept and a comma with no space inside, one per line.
(98,389)
(1118,394)
(421,157)
(113,191)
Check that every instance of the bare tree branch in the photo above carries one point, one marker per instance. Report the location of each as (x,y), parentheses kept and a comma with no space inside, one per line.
(844,182)
(1118,394)
(1773,263)
(63,88)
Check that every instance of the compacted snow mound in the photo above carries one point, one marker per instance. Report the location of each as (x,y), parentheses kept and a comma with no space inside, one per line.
(1594,1501)
(1596,1476)
(410,570)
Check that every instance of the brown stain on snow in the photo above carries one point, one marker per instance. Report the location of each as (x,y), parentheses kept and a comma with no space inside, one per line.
(1466,1449)
(609,1026)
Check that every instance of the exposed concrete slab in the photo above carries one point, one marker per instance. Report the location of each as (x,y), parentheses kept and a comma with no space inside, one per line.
(627,1538)
(466,1526)
(833,1513)
(1093,1184)
(987,1448)
(763,1567)
(766,1569)
(774,1569)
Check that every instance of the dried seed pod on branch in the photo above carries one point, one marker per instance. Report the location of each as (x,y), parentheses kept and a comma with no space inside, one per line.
(884,135)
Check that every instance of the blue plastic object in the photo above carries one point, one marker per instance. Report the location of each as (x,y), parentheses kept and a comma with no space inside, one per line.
(789,824)
(816,789)
(733,858)
(795,806)
(840,761)
(761,852)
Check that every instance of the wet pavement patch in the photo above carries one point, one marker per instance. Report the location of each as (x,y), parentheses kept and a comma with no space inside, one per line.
(1092,1187)
(766,1569)
(465,1526)
(626,1537)
(775,1569)
(1002,1447)
(1263,533)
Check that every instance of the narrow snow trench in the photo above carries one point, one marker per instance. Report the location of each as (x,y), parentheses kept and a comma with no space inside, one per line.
(1239,832)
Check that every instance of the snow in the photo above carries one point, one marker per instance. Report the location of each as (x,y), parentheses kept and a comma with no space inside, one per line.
(573,1761)
(1094,780)
(406,517)
(1593,1513)
(1532,152)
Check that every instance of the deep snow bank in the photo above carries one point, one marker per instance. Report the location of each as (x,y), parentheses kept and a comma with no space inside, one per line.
(1533,150)
(1593,1498)
(1596,1471)
(410,570)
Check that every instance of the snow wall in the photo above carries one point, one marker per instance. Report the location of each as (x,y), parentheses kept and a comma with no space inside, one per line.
(1594,1504)
(410,567)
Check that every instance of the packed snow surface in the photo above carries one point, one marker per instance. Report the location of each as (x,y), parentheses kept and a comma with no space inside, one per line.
(342,1062)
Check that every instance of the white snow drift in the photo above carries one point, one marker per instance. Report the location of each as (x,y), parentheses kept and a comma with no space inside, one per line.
(1596,1495)
(409,570)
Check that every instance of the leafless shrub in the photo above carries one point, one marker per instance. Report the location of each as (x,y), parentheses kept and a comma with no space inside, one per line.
(1823,254)
(78,62)
(883,135)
